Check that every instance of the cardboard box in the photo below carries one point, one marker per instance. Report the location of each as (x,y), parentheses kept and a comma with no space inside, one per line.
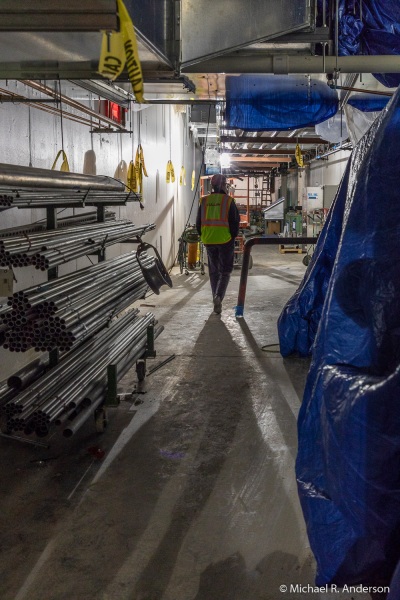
(273,227)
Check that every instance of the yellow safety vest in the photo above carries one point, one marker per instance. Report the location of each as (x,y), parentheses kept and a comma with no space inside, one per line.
(214,219)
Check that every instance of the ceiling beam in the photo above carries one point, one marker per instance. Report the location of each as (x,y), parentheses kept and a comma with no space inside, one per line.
(259,159)
(258,151)
(313,141)
(259,166)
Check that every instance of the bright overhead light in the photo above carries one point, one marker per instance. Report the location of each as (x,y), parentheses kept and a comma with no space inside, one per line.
(225,161)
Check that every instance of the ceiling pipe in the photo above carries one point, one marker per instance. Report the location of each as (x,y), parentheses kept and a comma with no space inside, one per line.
(291,64)
(70,102)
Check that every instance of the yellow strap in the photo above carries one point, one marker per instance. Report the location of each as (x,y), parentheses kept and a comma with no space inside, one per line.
(298,156)
(193,178)
(142,161)
(64,165)
(182,176)
(131,178)
(137,162)
(119,48)
(170,175)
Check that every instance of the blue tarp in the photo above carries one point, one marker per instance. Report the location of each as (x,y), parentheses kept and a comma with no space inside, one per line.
(271,102)
(299,320)
(368,102)
(374,31)
(348,462)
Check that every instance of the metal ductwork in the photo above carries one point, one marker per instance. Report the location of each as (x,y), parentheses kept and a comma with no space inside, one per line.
(208,30)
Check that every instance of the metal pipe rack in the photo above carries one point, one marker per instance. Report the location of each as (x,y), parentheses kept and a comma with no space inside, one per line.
(69,314)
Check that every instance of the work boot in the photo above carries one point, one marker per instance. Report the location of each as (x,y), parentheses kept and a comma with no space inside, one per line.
(217,305)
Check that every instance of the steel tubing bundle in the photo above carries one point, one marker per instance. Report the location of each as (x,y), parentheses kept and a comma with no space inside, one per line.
(63,371)
(27,374)
(95,396)
(21,379)
(27,177)
(66,386)
(65,315)
(38,240)
(70,394)
(49,249)
(31,297)
(83,218)
(74,200)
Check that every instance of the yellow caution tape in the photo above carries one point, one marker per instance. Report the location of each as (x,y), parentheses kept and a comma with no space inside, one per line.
(182,176)
(64,164)
(299,158)
(193,178)
(170,175)
(119,49)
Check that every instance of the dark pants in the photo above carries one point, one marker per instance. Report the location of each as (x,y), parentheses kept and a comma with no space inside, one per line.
(220,266)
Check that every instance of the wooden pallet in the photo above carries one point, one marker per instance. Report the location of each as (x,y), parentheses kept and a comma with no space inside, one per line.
(283,249)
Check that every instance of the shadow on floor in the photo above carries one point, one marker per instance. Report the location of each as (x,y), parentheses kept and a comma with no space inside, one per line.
(124,540)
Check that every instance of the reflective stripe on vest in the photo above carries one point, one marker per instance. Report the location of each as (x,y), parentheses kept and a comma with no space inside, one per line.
(214,219)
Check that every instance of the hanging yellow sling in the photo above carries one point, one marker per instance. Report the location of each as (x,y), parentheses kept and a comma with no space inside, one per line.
(170,174)
(131,177)
(64,165)
(182,176)
(193,179)
(299,158)
(136,170)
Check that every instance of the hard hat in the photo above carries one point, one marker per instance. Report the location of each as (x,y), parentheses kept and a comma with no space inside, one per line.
(218,181)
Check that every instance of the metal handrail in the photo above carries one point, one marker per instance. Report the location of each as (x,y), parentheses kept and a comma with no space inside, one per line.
(239,310)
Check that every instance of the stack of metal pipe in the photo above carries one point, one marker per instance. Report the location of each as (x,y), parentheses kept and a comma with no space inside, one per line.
(49,249)
(19,177)
(73,388)
(86,217)
(21,379)
(72,199)
(34,188)
(63,312)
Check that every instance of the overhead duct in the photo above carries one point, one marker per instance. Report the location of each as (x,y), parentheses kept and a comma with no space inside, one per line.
(283,64)
(208,30)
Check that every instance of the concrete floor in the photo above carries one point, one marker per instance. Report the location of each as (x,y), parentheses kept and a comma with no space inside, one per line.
(195,498)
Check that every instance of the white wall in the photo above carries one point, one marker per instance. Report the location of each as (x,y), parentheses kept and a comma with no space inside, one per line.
(29,136)
(328,171)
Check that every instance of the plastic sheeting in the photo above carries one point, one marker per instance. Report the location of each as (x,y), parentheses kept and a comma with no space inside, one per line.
(374,30)
(271,102)
(361,110)
(348,463)
(358,122)
(334,129)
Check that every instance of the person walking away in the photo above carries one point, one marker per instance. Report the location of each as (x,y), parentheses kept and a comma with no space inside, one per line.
(217,223)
